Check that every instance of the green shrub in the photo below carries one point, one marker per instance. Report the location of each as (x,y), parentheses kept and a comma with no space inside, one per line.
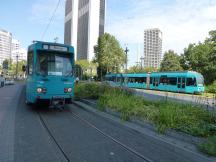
(209,146)
(211,88)
(186,118)
(89,90)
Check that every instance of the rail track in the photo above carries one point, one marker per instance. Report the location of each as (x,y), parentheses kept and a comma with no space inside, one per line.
(86,122)
(52,137)
(91,125)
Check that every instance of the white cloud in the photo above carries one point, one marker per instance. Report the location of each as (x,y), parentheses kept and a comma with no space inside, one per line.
(181,21)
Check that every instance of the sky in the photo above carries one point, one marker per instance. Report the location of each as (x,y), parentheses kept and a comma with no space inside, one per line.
(181,21)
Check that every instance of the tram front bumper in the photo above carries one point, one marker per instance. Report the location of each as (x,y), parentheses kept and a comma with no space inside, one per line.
(55,98)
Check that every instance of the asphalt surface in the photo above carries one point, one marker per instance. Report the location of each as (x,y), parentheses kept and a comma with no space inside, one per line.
(32,142)
(24,138)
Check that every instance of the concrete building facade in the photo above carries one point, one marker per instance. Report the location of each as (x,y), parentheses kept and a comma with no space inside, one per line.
(5,45)
(84,23)
(152,47)
(15,44)
(18,53)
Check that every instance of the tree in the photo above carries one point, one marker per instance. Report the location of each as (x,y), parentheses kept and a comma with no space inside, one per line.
(109,54)
(201,57)
(20,65)
(84,64)
(86,68)
(139,69)
(171,62)
(11,67)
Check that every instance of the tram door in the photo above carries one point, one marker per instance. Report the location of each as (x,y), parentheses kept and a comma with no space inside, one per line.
(155,83)
(181,84)
(148,81)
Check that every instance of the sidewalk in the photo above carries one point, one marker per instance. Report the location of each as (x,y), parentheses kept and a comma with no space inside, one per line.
(9,98)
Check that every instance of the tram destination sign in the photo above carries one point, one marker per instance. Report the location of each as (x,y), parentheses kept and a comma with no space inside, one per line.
(55,48)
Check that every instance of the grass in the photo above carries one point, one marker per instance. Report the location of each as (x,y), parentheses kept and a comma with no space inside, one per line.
(211,88)
(208,95)
(90,91)
(187,118)
(209,147)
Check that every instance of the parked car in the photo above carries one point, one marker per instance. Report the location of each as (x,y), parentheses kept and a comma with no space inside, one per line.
(9,81)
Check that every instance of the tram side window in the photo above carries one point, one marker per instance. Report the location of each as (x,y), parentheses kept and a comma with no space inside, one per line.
(163,80)
(151,80)
(110,79)
(138,80)
(131,80)
(119,79)
(172,81)
(191,82)
(30,63)
(144,79)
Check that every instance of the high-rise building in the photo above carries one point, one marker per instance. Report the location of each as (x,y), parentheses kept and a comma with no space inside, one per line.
(5,45)
(17,53)
(152,47)
(15,44)
(84,23)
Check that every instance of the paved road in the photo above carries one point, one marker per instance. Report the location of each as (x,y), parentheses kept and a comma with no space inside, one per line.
(24,138)
(32,142)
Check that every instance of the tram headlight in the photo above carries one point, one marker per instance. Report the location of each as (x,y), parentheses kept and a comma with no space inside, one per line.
(39,90)
(67,90)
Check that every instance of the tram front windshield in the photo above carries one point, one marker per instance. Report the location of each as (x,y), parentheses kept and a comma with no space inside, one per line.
(54,64)
(200,80)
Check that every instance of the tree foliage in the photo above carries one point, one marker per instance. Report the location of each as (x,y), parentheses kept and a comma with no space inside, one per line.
(139,69)
(109,54)
(171,62)
(85,67)
(201,57)
(12,67)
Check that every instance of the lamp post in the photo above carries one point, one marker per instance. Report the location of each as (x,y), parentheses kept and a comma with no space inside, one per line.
(142,62)
(126,52)
(16,65)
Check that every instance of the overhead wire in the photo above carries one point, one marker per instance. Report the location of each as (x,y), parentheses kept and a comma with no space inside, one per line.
(50,20)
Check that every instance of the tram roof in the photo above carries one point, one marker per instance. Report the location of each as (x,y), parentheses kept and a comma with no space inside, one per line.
(153,73)
(39,44)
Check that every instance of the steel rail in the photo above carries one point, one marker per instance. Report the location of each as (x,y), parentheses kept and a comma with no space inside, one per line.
(52,137)
(110,137)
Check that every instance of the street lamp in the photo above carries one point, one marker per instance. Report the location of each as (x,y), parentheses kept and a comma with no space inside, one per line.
(16,65)
(142,62)
(126,52)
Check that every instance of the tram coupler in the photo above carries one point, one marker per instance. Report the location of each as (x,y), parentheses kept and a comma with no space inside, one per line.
(57,102)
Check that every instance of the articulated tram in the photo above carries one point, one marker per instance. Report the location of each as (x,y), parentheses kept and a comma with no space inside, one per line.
(184,82)
(50,73)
